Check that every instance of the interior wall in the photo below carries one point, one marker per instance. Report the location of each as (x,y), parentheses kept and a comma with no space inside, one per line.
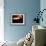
(1,20)
(26,7)
(43,6)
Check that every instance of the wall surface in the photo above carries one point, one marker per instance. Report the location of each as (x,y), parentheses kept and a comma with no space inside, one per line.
(26,7)
(43,6)
(1,20)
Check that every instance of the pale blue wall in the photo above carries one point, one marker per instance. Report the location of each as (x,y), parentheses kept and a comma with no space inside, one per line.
(43,6)
(27,7)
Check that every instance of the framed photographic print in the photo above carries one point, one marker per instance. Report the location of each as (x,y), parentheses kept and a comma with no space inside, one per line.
(18,19)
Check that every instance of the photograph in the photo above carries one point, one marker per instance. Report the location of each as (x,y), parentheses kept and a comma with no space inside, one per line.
(18,19)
